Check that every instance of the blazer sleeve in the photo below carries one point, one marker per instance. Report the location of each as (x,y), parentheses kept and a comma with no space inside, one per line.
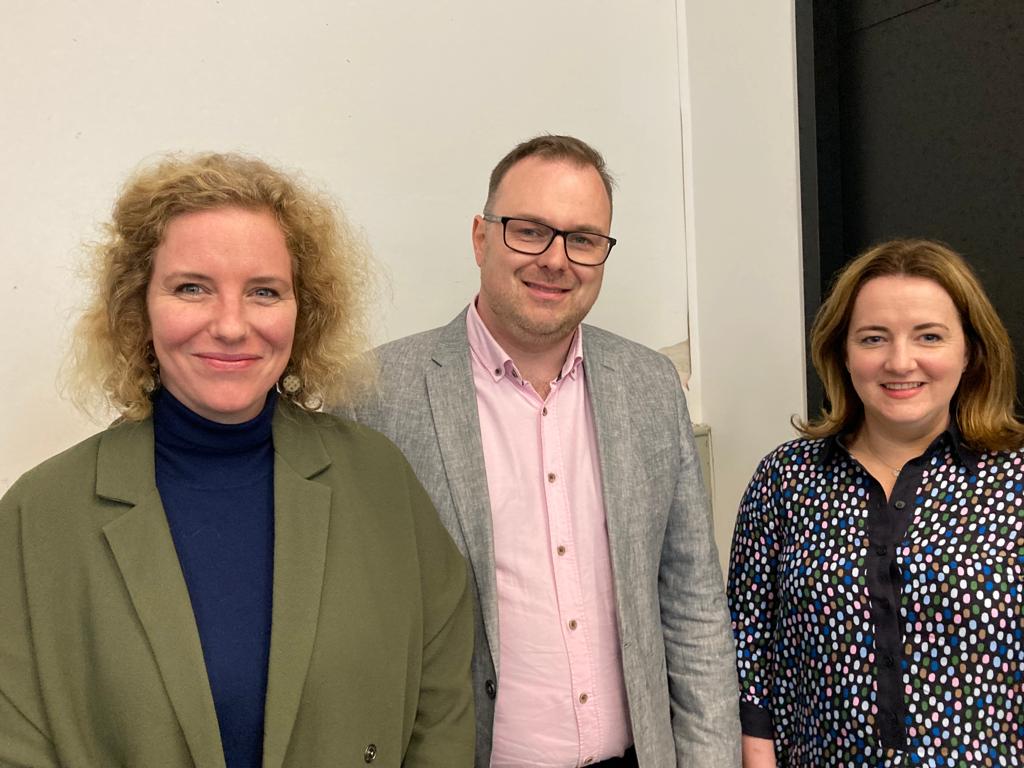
(24,737)
(443,734)
(752,600)
(698,645)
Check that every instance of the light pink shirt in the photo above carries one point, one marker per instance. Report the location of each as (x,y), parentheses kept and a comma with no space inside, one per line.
(561,697)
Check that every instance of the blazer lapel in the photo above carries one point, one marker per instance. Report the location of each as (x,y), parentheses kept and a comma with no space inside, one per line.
(302,510)
(609,402)
(457,424)
(144,552)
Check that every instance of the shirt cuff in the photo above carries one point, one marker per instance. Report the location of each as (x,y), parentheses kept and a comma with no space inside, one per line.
(756,721)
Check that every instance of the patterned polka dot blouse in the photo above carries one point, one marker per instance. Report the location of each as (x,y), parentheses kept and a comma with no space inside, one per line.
(882,632)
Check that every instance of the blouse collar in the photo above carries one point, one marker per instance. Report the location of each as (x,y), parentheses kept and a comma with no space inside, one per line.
(835,446)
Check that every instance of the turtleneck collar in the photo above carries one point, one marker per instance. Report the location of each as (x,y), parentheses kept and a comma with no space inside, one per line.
(183,428)
(206,454)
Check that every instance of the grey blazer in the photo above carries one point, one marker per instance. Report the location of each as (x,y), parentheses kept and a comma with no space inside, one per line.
(677,648)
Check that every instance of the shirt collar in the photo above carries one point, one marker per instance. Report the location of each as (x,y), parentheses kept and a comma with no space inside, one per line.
(497,362)
(968,457)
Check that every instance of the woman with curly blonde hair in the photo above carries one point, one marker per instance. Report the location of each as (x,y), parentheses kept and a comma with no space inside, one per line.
(113,360)
(227,576)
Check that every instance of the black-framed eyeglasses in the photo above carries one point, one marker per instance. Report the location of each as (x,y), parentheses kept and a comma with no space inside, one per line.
(588,249)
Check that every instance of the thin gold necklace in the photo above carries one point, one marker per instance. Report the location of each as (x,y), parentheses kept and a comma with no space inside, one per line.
(895,470)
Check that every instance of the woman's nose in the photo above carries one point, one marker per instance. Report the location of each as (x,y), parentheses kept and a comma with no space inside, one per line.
(229,322)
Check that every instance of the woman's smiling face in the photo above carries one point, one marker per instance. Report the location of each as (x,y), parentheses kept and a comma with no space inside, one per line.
(906,352)
(222,310)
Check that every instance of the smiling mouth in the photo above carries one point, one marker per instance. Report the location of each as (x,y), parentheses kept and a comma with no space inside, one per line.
(226,357)
(552,289)
(224,361)
(899,386)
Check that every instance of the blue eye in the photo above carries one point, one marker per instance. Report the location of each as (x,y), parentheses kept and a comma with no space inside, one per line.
(582,241)
(266,293)
(189,289)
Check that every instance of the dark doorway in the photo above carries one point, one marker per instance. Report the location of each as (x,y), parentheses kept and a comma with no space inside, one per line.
(912,124)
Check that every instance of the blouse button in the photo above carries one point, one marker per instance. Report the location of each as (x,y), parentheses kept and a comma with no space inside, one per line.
(552,477)
(881,550)
(888,660)
(900,504)
(560,550)
(369,753)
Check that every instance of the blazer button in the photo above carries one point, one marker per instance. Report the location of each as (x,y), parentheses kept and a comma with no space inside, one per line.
(491,689)
(369,753)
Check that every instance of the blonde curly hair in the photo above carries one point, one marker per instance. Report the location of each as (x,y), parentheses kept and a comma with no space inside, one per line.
(112,362)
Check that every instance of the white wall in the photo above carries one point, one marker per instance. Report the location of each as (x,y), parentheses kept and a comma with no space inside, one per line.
(399,109)
(743,234)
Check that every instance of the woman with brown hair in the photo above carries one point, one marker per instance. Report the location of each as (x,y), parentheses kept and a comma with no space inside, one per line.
(227,576)
(875,575)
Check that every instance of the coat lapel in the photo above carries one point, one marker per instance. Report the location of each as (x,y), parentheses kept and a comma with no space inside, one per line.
(302,511)
(609,402)
(457,424)
(144,552)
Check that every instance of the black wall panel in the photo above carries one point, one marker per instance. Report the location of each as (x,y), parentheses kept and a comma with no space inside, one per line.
(923,123)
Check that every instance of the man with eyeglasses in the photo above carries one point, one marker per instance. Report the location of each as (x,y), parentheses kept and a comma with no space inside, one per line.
(561,459)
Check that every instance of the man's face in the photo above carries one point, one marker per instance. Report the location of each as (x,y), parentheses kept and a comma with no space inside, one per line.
(533,303)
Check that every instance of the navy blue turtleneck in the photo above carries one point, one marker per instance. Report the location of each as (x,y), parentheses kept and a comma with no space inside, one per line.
(216,482)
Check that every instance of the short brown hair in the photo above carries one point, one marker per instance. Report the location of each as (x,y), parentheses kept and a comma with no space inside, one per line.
(111,355)
(985,399)
(551,148)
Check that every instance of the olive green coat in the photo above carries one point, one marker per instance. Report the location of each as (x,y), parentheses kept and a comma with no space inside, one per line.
(100,661)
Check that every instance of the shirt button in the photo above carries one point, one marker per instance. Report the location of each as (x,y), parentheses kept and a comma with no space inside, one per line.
(552,477)
(544,411)
(883,603)
(573,624)
(560,550)
(369,753)
(900,504)
(888,660)
(881,550)
(583,698)
(497,371)
(490,689)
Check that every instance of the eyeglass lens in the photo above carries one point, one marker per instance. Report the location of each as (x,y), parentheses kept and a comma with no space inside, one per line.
(533,238)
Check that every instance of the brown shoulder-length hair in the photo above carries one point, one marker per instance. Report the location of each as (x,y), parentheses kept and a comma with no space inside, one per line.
(111,362)
(983,405)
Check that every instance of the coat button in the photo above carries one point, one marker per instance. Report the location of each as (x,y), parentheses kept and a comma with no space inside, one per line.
(370,753)
(491,689)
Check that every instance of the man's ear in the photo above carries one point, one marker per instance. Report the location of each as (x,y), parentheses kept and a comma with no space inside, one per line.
(479,239)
